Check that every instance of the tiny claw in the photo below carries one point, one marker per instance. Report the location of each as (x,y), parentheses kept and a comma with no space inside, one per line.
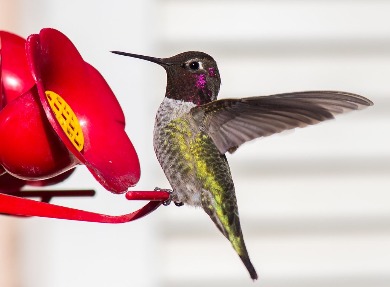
(163,189)
(167,202)
(170,191)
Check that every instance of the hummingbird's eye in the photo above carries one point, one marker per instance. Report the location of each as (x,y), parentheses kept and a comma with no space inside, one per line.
(194,65)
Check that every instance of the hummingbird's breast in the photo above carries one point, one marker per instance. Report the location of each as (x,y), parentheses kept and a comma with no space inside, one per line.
(173,133)
(189,158)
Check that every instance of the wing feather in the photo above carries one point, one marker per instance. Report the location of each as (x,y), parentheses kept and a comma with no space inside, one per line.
(232,122)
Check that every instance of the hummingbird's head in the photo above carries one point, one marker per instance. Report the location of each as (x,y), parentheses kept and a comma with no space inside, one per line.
(191,76)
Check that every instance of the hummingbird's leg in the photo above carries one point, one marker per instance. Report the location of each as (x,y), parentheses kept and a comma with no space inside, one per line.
(178,203)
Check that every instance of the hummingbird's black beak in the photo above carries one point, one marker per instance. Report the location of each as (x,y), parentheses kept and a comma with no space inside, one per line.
(146,58)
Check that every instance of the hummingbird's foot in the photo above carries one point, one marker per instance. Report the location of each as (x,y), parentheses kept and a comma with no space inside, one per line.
(171,196)
(170,191)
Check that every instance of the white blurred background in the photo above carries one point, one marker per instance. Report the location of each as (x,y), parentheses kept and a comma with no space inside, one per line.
(314,204)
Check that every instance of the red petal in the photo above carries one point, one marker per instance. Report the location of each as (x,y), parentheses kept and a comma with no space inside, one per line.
(15,73)
(108,152)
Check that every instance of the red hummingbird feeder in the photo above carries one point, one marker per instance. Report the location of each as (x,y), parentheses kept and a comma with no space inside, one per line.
(57,112)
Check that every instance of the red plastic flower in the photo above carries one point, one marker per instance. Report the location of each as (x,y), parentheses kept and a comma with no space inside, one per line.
(60,107)
(57,112)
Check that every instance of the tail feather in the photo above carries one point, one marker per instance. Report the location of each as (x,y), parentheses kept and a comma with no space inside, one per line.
(251,269)
(225,217)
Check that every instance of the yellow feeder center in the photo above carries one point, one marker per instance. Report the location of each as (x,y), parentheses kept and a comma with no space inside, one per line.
(67,119)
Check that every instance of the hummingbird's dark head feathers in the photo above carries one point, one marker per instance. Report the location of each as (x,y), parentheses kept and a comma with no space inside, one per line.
(187,56)
(191,76)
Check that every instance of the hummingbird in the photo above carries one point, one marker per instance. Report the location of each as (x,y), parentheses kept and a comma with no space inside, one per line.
(193,131)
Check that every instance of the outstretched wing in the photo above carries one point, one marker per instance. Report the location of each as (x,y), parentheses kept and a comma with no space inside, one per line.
(232,122)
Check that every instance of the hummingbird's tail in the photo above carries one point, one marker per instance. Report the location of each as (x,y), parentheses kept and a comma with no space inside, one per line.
(225,217)
(234,234)
(248,264)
